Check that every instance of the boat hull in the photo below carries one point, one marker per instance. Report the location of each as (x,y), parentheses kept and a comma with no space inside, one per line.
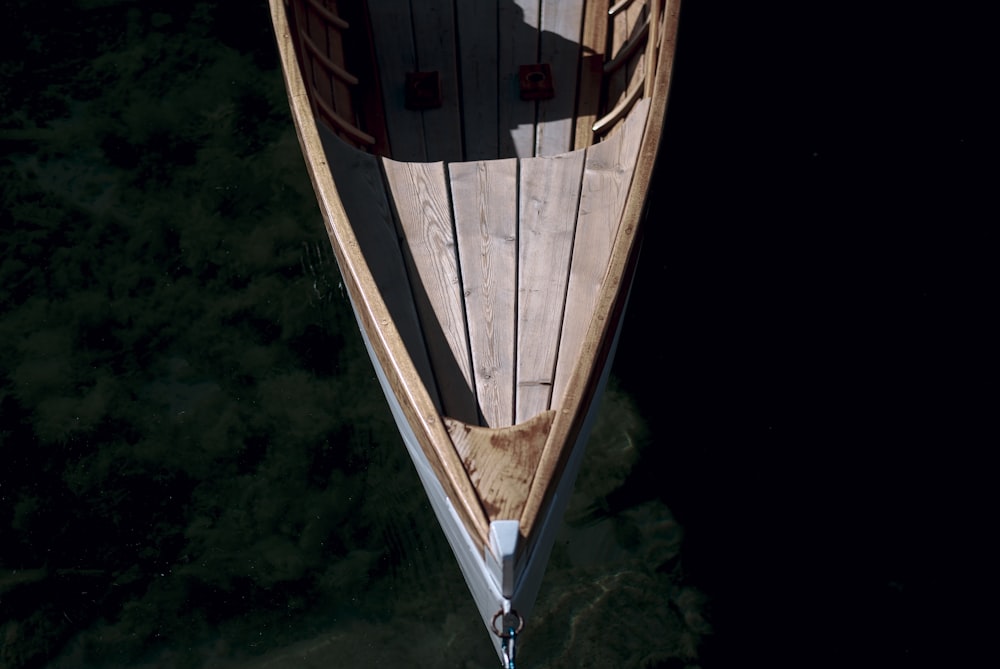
(473,561)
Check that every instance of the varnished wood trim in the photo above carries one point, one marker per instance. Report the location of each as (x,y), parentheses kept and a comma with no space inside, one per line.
(593,46)
(343,124)
(651,45)
(607,121)
(618,6)
(628,50)
(327,15)
(330,66)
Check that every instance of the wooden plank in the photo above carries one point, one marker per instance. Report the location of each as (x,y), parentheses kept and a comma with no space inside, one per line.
(547,205)
(477,44)
(362,191)
(419,194)
(486,230)
(562,24)
(434,28)
(517,27)
(501,462)
(593,42)
(610,303)
(607,176)
(392,35)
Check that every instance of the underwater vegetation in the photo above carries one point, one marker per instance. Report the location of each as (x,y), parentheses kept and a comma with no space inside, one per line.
(197,459)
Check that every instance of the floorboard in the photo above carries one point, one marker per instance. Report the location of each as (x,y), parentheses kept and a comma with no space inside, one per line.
(548,199)
(607,176)
(420,200)
(486,229)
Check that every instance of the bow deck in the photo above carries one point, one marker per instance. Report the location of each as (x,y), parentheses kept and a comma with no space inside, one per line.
(491,271)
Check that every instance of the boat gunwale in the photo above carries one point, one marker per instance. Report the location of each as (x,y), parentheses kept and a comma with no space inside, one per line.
(369,307)
(610,305)
(387,343)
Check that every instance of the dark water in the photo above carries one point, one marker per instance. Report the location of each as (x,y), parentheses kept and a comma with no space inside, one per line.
(198,467)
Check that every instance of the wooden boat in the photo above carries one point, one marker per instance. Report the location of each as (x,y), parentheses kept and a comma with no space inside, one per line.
(483,168)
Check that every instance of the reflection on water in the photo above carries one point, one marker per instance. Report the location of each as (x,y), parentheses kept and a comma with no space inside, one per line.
(199,467)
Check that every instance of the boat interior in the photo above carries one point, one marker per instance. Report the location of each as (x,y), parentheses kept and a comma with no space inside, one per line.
(493,144)
(433,80)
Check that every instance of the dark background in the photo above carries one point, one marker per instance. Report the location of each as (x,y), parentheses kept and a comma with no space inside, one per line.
(804,347)
(808,331)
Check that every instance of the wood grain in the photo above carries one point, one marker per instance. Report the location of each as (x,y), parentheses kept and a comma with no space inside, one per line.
(419,193)
(362,192)
(486,228)
(501,462)
(548,199)
(607,176)
(627,34)
(611,300)
(593,44)
(561,24)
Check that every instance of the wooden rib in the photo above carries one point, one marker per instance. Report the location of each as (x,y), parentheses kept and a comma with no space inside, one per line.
(369,100)
(593,44)
(477,42)
(392,35)
(561,25)
(419,195)
(617,82)
(323,43)
(607,175)
(319,83)
(434,26)
(547,204)
(652,45)
(486,230)
(607,121)
(332,67)
(635,68)
(517,27)
(501,462)
(342,124)
(330,17)
(628,50)
(618,6)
